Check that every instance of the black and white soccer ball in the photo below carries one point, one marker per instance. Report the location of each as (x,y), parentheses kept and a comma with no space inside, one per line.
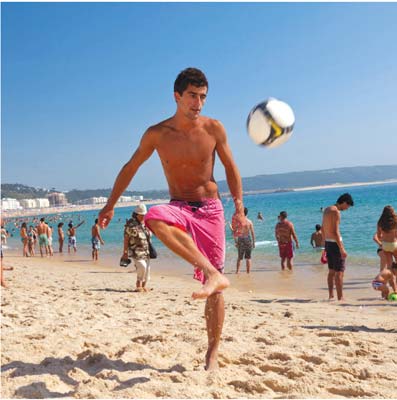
(271,123)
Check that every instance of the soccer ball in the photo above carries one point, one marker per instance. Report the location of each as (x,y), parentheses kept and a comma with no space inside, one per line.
(392,297)
(270,123)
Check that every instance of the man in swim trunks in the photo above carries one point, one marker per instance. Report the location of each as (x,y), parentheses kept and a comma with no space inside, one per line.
(96,240)
(72,241)
(285,233)
(244,239)
(316,240)
(192,225)
(42,232)
(336,253)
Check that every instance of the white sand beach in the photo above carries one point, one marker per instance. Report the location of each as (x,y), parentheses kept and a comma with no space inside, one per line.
(71,328)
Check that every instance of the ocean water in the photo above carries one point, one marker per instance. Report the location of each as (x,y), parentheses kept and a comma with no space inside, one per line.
(358,224)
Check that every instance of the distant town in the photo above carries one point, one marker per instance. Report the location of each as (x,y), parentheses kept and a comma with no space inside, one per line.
(57,199)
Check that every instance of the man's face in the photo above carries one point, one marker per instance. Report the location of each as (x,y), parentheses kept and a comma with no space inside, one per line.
(345,206)
(192,101)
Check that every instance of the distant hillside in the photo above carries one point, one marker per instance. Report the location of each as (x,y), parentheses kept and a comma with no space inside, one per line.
(272,182)
(293,180)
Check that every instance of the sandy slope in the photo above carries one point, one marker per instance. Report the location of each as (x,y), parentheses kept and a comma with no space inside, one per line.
(78,330)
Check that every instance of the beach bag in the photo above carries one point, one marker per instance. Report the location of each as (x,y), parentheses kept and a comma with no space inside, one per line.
(323,258)
(152,250)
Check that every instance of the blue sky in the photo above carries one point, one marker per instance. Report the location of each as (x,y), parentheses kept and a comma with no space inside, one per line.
(82,81)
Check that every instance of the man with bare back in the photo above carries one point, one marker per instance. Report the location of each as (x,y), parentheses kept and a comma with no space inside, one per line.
(42,232)
(336,253)
(192,224)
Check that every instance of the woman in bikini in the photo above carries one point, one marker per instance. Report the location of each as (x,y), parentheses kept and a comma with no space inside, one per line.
(387,233)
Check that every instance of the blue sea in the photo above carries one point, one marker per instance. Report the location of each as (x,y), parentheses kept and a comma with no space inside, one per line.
(358,224)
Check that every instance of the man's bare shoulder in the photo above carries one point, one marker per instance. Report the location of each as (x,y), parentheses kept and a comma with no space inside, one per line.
(331,210)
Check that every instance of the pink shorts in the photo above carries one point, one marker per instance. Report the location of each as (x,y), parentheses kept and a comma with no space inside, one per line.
(286,250)
(204,222)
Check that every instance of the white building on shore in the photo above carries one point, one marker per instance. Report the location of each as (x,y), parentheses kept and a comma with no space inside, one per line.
(93,200)
(57,199)
(10,204)
(34,203)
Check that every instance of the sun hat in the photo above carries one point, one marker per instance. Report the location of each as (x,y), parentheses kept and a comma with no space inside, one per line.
(140,209)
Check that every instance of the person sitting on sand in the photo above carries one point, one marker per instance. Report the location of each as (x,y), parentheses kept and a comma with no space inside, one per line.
(316,239)
(387,233)
(136,245)
(384,277)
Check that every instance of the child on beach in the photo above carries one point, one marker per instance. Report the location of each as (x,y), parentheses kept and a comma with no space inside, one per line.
(384,277)
(387,234)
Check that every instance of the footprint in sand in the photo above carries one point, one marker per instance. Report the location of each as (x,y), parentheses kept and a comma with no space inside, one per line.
(312,359)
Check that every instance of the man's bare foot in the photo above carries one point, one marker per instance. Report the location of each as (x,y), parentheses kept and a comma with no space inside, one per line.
(211,361)
(3,284)
(215,282)
(331,298)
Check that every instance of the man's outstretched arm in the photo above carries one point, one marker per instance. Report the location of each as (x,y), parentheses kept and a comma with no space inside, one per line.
(142,153)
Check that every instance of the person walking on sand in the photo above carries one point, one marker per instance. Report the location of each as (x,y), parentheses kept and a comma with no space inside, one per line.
(244,240)
(42,232)
(61,237)
(96,240)
(72,241)
(136,245)
(285,233)
(192,225)
(386,233)
(336,253)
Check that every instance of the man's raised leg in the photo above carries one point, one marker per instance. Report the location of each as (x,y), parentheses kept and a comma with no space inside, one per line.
(214,317)
(182,244)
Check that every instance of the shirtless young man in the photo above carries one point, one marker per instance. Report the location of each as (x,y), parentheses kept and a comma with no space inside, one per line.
(192,225)
(316,240)
(336,253)
(244,239)
(42,232)
(284,233)
(96,240)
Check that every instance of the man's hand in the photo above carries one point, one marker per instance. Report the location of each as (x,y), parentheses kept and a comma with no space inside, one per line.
(343,253)
(239,222)
(105,216)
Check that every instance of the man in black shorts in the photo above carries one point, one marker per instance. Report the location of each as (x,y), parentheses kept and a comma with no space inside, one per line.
(336,253)
(244,239)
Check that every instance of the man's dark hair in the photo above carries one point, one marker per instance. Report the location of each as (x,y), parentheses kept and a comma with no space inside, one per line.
(42,219)
(96,221)
(245,210)
(318,227)
(189,76)
(283,214)
(345,198)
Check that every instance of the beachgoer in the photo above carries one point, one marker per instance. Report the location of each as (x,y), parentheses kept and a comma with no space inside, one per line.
(49,235)
(136,246)
(285,233)
(387,233)
(72,241)
(192,224)
(96,240)
(316,239)
(42,232)
(4,235)
(379,251)
(24,239)
(244,239)
(336,253)
(61,236)
(259,216)
(384,277)
(31,240)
